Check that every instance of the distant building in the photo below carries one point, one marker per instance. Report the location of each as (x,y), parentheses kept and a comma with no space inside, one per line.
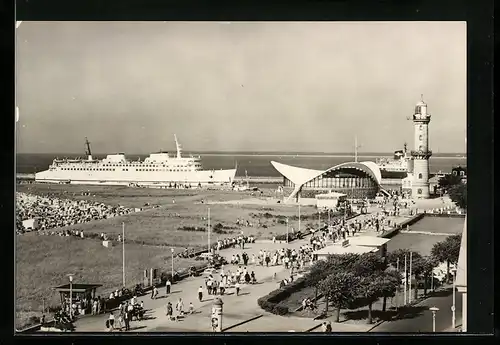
(358,180)
(330,200)
(460,172)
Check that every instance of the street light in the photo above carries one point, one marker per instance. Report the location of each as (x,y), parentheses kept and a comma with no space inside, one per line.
(453,317)
(287,230)
(70,296)
(434,310)
(172,253)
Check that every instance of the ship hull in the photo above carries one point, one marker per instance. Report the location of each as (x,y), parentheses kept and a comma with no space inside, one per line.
(161,179)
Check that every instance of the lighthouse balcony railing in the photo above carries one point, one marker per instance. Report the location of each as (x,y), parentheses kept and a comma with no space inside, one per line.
(421,152)
(420,117)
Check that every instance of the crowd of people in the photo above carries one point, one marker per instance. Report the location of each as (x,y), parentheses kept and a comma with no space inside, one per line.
(51,212)
(230,242)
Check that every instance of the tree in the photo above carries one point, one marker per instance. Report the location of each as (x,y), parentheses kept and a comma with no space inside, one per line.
(369,264)
(391,280)
(319,271)
(429,263)
(447,251)
(448,181)
(458,194)
(417,270)
(370,287)
(376,286)
(341,289)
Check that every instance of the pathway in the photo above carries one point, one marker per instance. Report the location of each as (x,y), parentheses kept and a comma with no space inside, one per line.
(236,308)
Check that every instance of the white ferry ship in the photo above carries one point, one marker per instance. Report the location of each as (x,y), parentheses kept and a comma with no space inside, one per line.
(397,167)
(159,169)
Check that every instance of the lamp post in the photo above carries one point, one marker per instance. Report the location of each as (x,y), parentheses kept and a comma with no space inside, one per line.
(209,231)
(399,285)
(453,316)
(432,280)
(434,310)
(172,262)
(410,280)
(299,216)
(405,282)
(70,296)
(287,230)
(123,254)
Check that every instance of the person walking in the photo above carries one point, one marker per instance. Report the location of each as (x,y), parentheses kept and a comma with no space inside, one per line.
(168,284)
(252,275)
(237,286)
(180,306)
(200,294)
(169,310)
(126,318)
(111,319)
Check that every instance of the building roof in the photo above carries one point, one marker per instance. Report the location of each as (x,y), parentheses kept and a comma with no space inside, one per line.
(76,287)
(350,249)
(368,241)
(299,176)
(461,278)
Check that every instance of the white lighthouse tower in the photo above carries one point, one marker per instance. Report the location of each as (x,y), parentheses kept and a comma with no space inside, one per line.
(421,152)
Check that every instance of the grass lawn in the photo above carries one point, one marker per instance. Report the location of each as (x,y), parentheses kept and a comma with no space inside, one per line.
(44,261)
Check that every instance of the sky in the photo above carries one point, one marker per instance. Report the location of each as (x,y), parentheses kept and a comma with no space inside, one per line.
(238,86)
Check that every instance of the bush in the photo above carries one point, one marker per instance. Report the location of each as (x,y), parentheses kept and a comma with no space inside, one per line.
(191,228)
(291,236)
(271,302)
(219,229)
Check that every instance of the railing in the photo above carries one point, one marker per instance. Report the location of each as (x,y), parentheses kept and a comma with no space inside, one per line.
(421,153)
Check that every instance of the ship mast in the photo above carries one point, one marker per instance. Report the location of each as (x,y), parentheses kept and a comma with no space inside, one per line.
(178,146)
(356,147)
(88,152)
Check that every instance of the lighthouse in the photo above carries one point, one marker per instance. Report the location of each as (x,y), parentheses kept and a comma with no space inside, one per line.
(421,153)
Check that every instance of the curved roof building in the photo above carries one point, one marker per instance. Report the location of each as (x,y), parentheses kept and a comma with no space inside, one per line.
(356,179)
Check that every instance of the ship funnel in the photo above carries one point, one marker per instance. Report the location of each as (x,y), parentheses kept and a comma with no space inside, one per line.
(87,149)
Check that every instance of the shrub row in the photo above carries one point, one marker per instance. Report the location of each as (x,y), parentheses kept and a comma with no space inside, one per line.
(291,237)
(217,228)
(271,302)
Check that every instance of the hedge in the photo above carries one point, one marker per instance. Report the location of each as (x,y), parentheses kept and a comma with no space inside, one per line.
(271,301)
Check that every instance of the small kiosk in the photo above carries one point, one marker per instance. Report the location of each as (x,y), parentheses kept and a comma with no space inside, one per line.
(82,294)
(379,243)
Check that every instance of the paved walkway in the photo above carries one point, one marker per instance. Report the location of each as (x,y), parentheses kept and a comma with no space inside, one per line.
(236,308)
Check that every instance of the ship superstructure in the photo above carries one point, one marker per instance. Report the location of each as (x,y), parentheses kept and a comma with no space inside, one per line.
(159,169)
(396,167)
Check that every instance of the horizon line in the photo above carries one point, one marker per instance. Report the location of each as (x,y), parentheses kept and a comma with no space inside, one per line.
(241,152)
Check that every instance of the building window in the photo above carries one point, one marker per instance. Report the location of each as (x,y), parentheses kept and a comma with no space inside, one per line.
(419,191)
(420,175)
(462,173)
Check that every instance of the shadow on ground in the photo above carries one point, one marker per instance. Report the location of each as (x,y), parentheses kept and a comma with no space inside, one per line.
(389,315)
